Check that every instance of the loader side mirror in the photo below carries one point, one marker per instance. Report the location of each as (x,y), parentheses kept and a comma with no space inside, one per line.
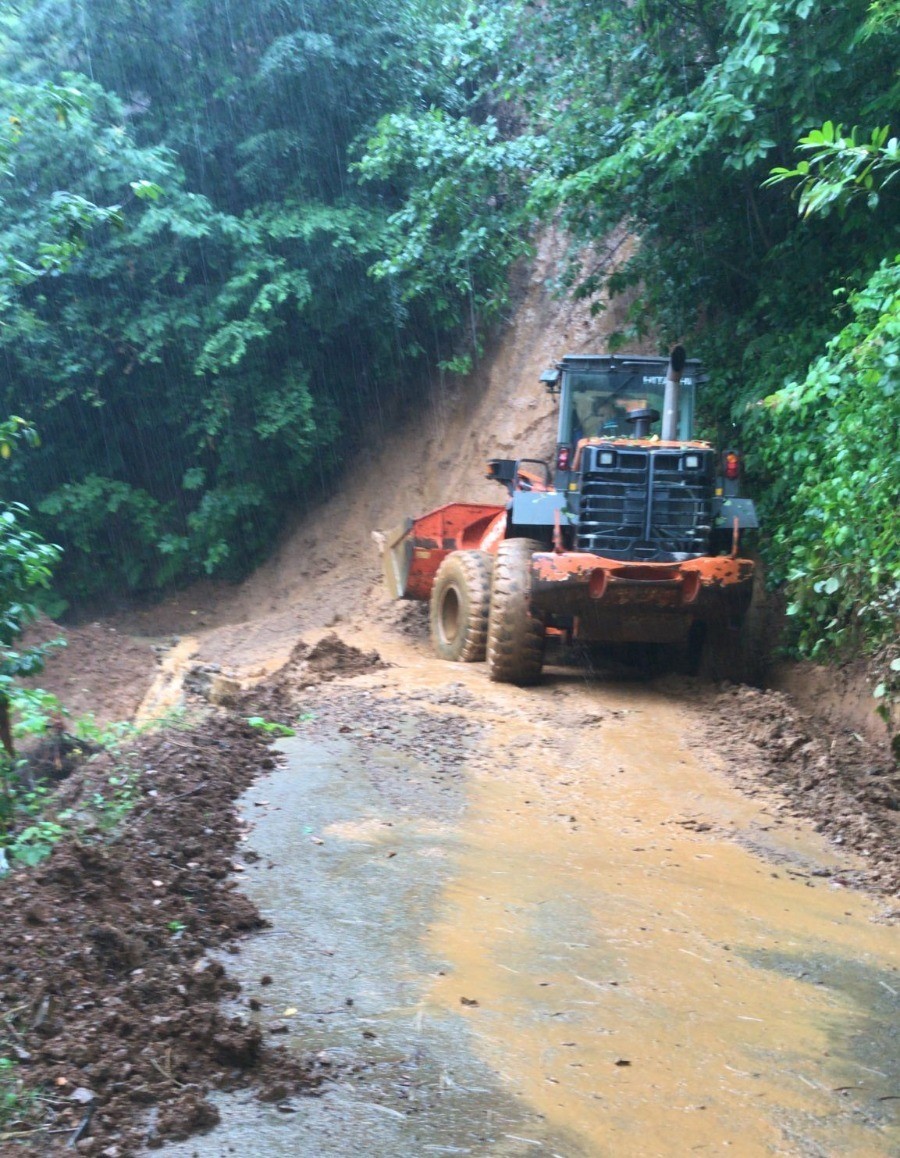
(502,470)
(550,379)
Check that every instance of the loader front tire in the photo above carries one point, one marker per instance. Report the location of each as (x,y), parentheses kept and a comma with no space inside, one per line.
(460,599)
(515,633)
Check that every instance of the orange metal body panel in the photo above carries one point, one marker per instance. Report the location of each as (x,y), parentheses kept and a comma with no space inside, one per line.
(454,527)
(606,576)
(594,598)
(614,600)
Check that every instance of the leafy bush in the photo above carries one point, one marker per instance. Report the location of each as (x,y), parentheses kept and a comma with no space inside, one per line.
(107,528)
(26,564)
(833,451)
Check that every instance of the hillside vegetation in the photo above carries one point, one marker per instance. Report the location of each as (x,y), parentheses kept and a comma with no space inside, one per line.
(235,235)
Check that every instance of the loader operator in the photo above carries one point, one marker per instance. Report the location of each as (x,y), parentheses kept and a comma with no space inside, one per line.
(604,418)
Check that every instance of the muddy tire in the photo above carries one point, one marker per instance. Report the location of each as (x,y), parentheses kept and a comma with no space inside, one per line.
(460,599)
(515,633)
(723,651)
(735,649)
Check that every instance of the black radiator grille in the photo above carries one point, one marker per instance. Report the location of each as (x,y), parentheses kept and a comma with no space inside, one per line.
(644,504)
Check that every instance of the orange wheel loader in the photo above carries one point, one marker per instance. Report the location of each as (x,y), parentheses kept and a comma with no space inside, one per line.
(632,536)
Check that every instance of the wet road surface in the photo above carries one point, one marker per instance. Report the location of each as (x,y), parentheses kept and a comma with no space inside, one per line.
(542,921)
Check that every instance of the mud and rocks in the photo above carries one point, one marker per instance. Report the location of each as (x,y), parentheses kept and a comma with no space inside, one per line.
(281,697)
(110,995)
(110,999)
(827,773)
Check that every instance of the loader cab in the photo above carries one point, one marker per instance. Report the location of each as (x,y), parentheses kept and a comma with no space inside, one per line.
(598,394)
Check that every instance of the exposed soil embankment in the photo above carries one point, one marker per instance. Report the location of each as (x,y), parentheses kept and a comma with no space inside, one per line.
(826,771)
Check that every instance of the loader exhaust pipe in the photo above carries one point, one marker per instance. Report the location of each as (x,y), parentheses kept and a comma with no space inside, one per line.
(677,361)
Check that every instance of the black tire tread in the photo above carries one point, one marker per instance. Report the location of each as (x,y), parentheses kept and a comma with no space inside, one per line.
(468,573)
(515,634)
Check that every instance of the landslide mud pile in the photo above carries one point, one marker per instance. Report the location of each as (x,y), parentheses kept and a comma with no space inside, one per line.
(281,697)
(110,1001)
(829,774)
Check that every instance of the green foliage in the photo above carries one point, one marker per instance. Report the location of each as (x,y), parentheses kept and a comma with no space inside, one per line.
(111,805)
(448,244)
(15,430)
(31,822)
(106,526)
(26,563)
(269,727)
(35,843)
(33,709)
(662,118)
(16,1104)
(833,447)
(186,300)
(839,168)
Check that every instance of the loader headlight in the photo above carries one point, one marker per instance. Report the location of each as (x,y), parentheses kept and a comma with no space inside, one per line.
(606,458)
(692,462)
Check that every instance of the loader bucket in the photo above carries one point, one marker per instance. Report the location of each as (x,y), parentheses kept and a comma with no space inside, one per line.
(396,558)
(412,553)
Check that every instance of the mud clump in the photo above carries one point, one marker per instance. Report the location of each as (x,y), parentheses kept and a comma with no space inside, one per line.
(187,1115)
(848,787)
(109,1000)
(207,681)
(409,618)
(332,657)
(307,668)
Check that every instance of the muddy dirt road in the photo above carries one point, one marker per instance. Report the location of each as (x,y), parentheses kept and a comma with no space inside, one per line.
(587,919)
(546,921)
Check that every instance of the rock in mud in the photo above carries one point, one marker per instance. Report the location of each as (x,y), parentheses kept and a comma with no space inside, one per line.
(207,680)
(189,1114)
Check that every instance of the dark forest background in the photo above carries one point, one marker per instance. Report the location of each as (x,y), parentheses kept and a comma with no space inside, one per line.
(233,235)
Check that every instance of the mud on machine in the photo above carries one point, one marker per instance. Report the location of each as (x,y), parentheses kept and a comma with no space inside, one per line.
(632,536)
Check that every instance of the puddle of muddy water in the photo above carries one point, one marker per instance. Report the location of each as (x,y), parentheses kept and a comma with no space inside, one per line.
(350,875)
(623,962)
(572,949)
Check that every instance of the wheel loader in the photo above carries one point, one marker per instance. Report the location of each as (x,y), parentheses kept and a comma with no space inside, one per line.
(632,535)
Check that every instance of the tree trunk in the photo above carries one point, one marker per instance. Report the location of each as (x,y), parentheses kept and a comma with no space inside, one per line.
(6,738)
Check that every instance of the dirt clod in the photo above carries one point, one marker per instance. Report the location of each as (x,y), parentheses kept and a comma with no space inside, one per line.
(281,698)
(189,1114)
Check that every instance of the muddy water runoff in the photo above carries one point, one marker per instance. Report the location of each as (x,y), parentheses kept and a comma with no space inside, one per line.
(522,922)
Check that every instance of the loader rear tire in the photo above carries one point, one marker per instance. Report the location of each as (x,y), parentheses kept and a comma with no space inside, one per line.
(727,651)
(515,633)
(460,599)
